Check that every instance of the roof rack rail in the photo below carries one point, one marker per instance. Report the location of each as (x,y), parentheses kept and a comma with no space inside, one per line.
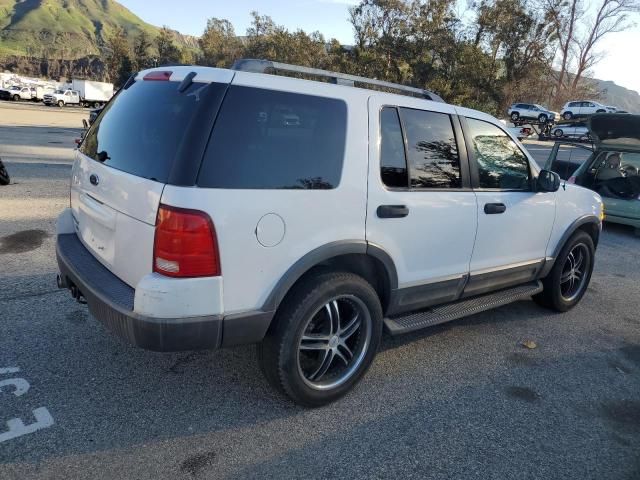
(263,66)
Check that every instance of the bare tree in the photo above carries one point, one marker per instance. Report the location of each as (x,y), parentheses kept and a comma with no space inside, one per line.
(612,16)
(578,30)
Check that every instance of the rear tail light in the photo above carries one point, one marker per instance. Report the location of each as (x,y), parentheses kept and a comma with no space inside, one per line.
(571,179)
(185,244)
(158,75)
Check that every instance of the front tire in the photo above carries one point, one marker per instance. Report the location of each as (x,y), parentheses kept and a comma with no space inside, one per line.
(16,98)
(569,278)
(567,116)
(542,118)
(515,116)
(60,103)
(558,133)
(323,339)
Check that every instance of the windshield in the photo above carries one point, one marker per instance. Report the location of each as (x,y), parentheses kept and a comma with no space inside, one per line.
(60,92)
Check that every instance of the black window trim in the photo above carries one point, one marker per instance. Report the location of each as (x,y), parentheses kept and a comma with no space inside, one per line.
(465,172)
(475,174)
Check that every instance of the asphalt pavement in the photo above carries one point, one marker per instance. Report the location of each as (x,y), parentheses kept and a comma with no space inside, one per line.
(461,400)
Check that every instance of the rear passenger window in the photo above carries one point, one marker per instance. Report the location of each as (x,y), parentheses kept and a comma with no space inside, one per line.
(501,164)
(431,148)
(393,165)
(264,139)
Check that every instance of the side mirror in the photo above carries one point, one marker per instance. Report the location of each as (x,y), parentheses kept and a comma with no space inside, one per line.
(548,181)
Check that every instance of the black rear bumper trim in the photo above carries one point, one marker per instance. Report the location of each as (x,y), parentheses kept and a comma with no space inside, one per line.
(110,300)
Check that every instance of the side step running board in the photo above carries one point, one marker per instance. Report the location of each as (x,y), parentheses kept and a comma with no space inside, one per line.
(459,309)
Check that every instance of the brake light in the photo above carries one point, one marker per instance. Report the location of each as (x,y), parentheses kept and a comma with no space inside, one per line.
(185,244)
(158,75)
(571,179)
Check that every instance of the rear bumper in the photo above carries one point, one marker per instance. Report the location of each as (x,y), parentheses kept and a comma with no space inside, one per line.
(111,301)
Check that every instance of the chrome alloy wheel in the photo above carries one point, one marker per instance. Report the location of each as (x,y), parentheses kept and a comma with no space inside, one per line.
(334,342)
(574,272)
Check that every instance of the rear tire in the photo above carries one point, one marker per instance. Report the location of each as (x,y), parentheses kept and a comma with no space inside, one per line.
(569,278)
(323,338)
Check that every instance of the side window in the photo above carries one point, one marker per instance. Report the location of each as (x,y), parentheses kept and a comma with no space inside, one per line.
(393,164)
(501,164)
(431,149)
(266,139)
(574,104)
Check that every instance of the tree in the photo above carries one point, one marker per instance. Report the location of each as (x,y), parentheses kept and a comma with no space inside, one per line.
(168,52)
(125,70)
(611,16)
(578,32)
(267,40)
(219,44)
(117,48)
(141,58)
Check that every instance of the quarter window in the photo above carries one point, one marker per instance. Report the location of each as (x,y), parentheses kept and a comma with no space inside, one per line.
(432,151)
(501,164)
(265,139)
(393,164)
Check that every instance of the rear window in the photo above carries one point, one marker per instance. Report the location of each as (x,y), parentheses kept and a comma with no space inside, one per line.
(142,130)
(264,139)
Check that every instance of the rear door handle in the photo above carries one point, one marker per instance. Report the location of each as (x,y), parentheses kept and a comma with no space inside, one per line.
(494,208)
(392,211)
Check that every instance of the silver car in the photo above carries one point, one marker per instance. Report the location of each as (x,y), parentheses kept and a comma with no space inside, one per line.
(578,131)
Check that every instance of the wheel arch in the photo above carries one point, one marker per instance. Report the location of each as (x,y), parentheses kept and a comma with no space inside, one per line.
(588,223)
(367,260)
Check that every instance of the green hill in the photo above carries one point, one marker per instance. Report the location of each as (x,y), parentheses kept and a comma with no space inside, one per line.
(70,28)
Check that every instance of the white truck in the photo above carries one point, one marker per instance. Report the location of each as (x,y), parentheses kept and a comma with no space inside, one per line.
(82,92)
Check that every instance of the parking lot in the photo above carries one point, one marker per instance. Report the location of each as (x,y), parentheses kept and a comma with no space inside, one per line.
(461,400)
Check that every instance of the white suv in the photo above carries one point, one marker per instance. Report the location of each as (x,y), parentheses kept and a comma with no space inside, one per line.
(218,207)
(580,109)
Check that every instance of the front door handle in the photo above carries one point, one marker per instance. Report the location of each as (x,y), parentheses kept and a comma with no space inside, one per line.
(494,208)
(392,211)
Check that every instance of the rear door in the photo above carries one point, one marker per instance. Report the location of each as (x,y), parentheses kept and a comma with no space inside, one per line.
(128,155)
(421,209)
(514,221)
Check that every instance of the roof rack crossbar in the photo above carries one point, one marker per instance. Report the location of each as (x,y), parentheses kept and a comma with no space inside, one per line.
(263,66)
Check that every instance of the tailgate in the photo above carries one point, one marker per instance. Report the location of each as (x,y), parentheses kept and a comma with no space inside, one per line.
(115,217)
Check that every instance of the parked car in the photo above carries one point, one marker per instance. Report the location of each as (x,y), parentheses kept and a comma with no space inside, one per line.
(531,111)
(577,130)
(305,216)
(62,98)
(4,174)
(17,93)
(583,108)
(612,169)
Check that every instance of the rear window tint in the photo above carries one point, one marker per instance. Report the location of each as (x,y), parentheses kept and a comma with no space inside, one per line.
(264,139)
(142,130)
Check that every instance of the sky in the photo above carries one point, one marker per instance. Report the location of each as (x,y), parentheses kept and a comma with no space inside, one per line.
(620,64)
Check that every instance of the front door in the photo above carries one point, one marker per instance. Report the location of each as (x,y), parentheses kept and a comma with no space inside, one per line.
(514,221)
(420,209)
